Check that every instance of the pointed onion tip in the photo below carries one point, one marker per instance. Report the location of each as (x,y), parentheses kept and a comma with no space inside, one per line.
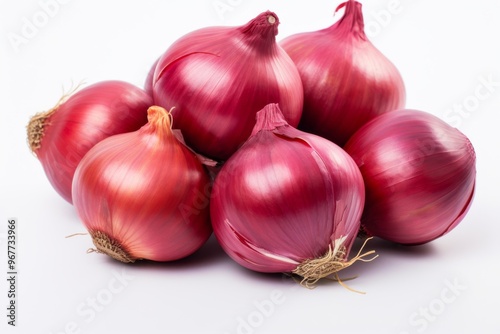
(160,119)
(268,18)
(348,5)
(352,20)
(265,24)
(269,118)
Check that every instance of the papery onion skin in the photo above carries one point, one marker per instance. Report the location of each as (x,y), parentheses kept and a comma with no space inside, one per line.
(285,196)
(146,192)
(62,136)
(347,81)
(219,77)
(419,174)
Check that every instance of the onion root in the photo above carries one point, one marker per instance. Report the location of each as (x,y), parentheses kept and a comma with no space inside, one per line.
(312,270)
(36,126)
(109,246)
(38,122)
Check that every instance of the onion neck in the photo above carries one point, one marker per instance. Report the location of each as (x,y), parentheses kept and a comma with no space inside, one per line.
(269,118)
(261,31)
(352,21)
(160,122)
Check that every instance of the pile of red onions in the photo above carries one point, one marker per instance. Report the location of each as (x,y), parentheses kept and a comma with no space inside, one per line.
(313,146)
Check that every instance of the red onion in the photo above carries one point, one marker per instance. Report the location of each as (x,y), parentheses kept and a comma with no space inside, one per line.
(61,136)
(419,174)
(141,194)
(347,81)
(148,83)
(287,201)
(217,78)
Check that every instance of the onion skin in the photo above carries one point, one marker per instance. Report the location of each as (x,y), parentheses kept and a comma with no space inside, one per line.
(145,193)
(219,77)
(62,136)
(284,197)
(347,81)
(419,174)
(148,83)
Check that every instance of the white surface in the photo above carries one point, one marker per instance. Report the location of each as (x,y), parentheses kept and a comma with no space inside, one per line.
(444,50)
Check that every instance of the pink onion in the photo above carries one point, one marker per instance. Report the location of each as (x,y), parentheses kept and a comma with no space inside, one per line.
(61,136)
(142,194)
(217,78)
(347,81)
(419,174)
(287,201)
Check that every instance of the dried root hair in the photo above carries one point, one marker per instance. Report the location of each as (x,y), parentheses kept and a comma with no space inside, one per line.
(38,122)
(328,265)
(106,245)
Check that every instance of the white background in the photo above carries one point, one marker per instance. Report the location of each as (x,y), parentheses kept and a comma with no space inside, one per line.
(445,51)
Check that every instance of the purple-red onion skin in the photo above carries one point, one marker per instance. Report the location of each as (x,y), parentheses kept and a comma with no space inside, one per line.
(419,174)
(284,197)
(88,116)
(148,82)
(347,81)
(147,191)
(217,78)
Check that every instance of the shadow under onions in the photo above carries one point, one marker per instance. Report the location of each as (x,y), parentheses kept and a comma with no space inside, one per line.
(385,251)
(380,245)
(261,277)
(209,254)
